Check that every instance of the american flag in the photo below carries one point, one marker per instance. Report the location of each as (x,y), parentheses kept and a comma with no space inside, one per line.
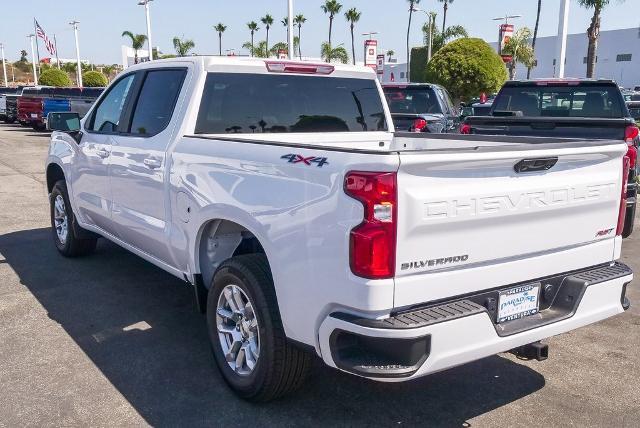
(47,42)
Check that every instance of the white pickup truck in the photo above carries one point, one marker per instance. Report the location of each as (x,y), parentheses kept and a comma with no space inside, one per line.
(280,191)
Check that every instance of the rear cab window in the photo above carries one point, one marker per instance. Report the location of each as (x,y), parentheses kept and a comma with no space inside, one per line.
(246,103)
(598,101)
(413,100)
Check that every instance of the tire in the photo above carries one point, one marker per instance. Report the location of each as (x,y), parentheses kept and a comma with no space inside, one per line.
(69,244)
(629,221)
(280,367)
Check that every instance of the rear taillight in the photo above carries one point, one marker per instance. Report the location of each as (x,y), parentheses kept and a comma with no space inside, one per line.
(372,244)
(465,129)
(631,133)
(632,154)
(419,125)
(623,198)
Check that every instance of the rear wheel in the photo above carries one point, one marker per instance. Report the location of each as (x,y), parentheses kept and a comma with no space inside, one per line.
(64,227)
(246,333)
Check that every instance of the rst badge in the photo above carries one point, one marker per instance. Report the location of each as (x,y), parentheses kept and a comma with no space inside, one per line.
(308,160)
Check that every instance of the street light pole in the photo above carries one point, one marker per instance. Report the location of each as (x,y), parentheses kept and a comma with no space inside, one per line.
(145,3)
(562,36)
(431,25)
(4,65)
(74,24)
(33,59)
(290,29)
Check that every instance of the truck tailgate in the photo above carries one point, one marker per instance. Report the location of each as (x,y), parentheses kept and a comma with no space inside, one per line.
(464,213)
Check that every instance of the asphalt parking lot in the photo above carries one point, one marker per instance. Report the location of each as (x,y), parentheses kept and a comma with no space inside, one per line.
(110,340)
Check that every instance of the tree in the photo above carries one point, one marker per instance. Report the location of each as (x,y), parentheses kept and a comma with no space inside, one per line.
(339,53)
(268,22)
(23,56)
(467,67)
(137,42)
(593,32)
(535,36)
(299,20)
(183,47)
(438,39)
(54,77)
(445,7)
(331,7)
(253,27)
(412,5)
(390,54)
(94,79)
(220,28)
(353,16)
(520,51)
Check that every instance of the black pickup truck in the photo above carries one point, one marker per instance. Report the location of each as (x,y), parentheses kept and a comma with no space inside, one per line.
(568,108)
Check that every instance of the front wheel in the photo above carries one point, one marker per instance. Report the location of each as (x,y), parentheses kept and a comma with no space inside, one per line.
(246,333)
(63,226)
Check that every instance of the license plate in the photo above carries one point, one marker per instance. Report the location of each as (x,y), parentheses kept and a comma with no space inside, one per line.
(34,116)
(518,302)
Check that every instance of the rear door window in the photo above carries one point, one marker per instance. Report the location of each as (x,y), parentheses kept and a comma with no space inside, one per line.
(156,101)
(413,100)
(265,103)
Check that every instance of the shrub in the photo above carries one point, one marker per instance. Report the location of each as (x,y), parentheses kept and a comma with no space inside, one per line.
(467,67)
(94,79)
(418,60)
(54,77)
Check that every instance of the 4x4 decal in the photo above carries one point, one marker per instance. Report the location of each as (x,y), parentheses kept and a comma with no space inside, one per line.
(309,160)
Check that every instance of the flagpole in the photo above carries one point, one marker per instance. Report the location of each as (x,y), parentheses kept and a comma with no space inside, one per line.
(4,65)
(35,28)
(33,60)
(55,45)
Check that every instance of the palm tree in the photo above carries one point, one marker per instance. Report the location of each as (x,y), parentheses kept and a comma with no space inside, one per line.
(328,53)
(391,53)
(268,22)
(137,42)
(352,16)
(446,8)
(412,5)
(438,39)
(535,35)
(520,50)
(332,7)
(253,27)
(220,28)
(183,47)
(593,32)
(299,20)
(23,56)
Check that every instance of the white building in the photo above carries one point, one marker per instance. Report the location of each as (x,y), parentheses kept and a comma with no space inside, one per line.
(618,57)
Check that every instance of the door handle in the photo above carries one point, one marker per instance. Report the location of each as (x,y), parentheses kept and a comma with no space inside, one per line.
(103,153)
(152,163)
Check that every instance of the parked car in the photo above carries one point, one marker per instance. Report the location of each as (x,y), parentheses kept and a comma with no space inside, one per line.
(306,225)
(30,105)
(422,107)
(4,91)
(633,105)
(84,100)
(582,108)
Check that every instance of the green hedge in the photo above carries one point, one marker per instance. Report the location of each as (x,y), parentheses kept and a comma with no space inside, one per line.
(419,58)
(467,67)
(54,77)
(94,79)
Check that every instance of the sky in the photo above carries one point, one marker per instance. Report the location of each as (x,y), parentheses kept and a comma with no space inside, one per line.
(102,23)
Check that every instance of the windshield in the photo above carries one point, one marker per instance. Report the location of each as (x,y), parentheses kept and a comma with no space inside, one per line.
(568,101)
(419,100)
(264,103)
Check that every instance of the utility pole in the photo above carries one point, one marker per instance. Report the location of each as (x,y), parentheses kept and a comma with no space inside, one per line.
(33,59)
(290,29)
(563,25)
(145,3)
(4,65)
(74,24)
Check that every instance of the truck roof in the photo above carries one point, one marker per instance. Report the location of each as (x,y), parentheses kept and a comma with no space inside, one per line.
(570,81)
(264,66)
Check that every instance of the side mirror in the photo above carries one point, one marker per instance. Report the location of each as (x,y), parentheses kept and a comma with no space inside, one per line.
(63,122)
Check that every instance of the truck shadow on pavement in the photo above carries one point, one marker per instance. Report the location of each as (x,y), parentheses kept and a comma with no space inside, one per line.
(139,326)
